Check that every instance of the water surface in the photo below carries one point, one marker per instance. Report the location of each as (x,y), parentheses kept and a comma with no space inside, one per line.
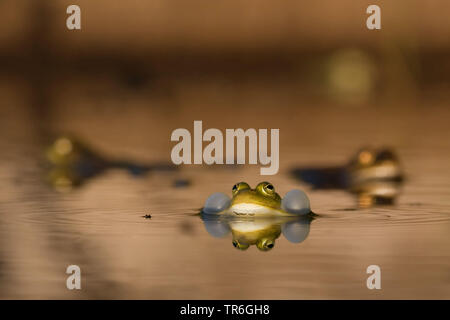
(101,227)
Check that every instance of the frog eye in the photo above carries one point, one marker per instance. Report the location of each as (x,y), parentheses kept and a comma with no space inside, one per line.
(240,246)
(269,188)
(265,244)
(239,186)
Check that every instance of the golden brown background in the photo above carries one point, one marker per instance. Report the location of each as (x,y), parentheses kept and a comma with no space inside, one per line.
(137,70)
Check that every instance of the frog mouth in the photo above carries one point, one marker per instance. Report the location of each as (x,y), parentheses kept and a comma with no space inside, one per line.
(249,209)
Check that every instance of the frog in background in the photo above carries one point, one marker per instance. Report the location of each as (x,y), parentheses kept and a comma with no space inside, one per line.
(258,216)
(71,163)
(258,231)
(374,176)
(262,201)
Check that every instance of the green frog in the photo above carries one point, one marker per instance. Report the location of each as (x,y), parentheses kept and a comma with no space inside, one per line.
(374,175)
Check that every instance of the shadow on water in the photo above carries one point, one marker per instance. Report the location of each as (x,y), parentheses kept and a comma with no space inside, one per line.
(374,176)
(70,163)
(261,232)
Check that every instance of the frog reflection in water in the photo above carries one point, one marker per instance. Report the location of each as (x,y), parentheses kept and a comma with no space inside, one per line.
(374,175)
(258,216)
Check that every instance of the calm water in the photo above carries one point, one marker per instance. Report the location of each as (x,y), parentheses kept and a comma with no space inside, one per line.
(122,255)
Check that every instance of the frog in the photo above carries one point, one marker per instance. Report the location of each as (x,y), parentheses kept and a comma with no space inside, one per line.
(262,201)
(374,164)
